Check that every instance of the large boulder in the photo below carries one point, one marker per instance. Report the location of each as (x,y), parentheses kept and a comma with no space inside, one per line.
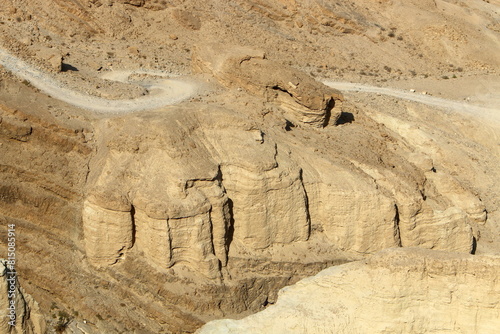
(302,98)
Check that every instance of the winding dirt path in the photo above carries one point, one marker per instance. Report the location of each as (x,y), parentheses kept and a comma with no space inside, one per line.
(169,91)
(172,90)
(492,114)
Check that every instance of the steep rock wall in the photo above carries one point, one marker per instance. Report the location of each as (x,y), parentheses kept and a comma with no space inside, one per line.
(202,181)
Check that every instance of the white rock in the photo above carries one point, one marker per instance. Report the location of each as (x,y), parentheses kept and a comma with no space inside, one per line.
(394,291)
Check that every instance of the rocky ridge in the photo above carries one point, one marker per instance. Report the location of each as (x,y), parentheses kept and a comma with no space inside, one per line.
(236,182)
(209,197)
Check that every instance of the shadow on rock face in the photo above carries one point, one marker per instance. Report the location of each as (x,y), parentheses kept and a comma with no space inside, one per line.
(345,117)
(67,67)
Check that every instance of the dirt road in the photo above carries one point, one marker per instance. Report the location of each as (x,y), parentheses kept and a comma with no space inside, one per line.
(492,114)
(168,91)
(172,90)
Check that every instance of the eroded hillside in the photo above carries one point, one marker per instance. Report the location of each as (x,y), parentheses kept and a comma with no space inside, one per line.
(204,206)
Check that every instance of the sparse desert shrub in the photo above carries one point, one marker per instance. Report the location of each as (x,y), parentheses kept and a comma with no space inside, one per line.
(27,83)
(62,322)
(60,327)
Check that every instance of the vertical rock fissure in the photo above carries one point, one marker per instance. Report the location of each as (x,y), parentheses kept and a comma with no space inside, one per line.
(306,204)
(397,235)
(133,227)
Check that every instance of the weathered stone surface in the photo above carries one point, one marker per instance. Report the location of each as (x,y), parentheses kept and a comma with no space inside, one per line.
(110,232)
(395,291)
(187,19)
(52,58)
(28,318)
(191,246)
(200,181)
(302,98)
(137,3)
(214,198)
(351,211)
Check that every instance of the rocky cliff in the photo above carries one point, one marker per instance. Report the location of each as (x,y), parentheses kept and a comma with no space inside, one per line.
(226,182)
(220,205)
(395,291)
(161,220)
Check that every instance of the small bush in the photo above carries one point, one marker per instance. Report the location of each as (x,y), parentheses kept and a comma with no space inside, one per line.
(62,322)
(61,327)
(445,77)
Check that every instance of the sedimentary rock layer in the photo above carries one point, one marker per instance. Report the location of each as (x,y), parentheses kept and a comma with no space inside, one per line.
(395,291)
(301,98)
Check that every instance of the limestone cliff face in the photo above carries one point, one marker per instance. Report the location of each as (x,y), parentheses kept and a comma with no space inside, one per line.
(192,192)
(28,319)
(203,210)
(394,291)
(194,187)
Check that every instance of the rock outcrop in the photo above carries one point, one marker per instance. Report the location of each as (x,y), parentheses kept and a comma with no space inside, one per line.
(205,184)
(187,196)
(395,291)
(230,203)
(302,98)
(19,312)
(157,222)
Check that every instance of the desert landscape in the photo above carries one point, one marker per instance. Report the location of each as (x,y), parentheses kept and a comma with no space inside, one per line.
(249,166)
